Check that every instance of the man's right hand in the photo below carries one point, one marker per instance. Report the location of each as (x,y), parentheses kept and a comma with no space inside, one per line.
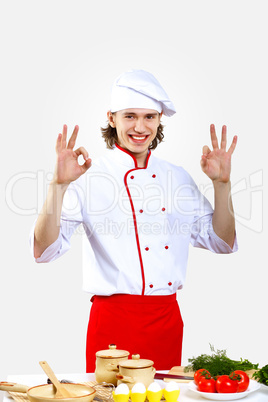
(67,167)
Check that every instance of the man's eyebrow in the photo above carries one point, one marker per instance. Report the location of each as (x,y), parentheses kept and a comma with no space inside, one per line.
(134,114)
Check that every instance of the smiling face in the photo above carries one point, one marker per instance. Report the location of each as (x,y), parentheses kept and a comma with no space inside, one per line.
(136,129)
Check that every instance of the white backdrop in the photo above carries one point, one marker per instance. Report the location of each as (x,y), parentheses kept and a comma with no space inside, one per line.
(58,60)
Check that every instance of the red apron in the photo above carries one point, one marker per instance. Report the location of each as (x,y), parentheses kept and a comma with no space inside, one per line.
(150,326)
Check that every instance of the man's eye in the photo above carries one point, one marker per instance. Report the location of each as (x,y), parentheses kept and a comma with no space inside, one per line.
(129,117)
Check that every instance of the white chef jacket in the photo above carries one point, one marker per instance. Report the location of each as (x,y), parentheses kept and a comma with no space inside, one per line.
(138,222)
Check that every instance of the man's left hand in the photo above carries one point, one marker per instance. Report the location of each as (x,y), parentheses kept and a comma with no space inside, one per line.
(216,163)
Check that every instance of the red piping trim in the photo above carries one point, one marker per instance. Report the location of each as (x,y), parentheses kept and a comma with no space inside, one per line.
(133,210)
(133,157)
(136,231)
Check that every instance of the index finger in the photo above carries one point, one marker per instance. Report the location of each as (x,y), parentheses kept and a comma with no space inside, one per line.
(73,137)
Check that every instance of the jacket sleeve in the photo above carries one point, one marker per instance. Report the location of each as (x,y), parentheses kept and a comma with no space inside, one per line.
(60,246)
(202,232)
(203,236)
(71,218)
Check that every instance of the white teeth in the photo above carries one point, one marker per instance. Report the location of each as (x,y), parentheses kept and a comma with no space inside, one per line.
(138,138)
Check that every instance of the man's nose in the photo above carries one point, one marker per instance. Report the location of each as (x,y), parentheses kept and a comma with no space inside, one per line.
(140,126)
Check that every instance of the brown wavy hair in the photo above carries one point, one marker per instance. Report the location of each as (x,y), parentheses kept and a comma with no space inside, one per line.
(109,134)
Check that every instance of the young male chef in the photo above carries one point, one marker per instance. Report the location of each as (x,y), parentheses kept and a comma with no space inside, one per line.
(140,214)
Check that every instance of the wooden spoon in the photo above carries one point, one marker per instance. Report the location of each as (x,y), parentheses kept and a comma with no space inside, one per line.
(61,391)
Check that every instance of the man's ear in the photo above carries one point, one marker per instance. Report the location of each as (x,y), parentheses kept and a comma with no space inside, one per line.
(160,115)
(110,117)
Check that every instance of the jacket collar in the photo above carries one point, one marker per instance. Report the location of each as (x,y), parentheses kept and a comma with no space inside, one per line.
(127,159)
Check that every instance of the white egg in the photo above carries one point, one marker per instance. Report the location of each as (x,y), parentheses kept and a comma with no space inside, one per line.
(172,386)
(139,387)
(122,389)
(154,387)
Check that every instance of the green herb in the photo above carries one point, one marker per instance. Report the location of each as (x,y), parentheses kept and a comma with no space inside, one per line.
(218,363)
(262,375)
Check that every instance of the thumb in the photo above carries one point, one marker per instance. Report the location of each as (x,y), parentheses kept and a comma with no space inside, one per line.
(203,162)
(86,165)
(206,150)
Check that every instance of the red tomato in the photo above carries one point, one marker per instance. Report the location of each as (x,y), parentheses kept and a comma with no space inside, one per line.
(206,384)
(225,384)
(200,373)
(243,383)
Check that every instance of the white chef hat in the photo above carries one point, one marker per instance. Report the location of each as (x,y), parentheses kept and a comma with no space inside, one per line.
(140,89)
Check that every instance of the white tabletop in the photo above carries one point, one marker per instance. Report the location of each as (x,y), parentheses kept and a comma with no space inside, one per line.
(186,395)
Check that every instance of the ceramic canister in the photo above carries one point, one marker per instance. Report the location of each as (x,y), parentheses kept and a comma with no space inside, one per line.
(107,364)
(136,370)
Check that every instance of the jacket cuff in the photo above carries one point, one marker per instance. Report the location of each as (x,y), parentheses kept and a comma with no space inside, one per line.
(221,246)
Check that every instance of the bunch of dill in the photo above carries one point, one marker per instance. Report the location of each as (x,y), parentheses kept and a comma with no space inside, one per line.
(218,363)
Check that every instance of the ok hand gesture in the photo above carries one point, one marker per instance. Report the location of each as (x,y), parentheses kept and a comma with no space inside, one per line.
(216,164)
(67,168)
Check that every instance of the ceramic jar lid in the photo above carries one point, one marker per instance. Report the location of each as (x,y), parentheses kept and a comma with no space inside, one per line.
(112,353)
(136,362)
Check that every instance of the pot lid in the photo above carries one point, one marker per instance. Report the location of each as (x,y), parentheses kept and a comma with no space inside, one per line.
(136,362)
(112,353)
